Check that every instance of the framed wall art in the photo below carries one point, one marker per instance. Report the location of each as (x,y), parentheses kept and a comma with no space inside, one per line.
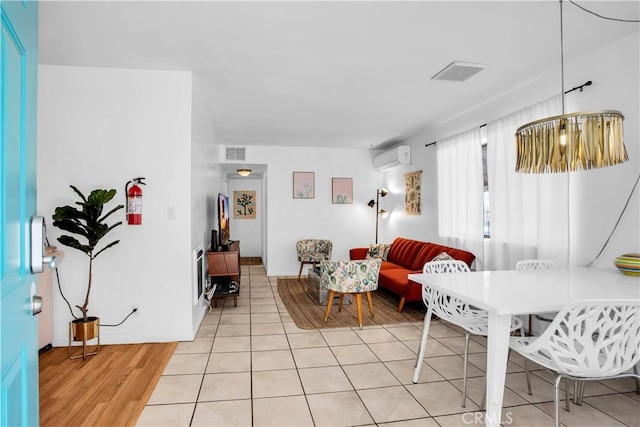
(244,204)
(412,188)
(341,191)
(304,186)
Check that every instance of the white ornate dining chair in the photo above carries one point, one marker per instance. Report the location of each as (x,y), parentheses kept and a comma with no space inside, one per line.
(587,340)
(472,320)
(537,264)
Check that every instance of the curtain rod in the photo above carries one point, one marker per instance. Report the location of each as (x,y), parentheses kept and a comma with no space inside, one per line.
(581,88)
(435,142)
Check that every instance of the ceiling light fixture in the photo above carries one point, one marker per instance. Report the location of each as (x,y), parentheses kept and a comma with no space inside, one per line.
(570,142)
(244,172)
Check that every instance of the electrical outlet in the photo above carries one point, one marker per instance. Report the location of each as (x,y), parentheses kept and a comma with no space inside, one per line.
(137,311)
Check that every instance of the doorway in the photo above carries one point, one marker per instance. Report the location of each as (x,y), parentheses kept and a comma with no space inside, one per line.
(247,197)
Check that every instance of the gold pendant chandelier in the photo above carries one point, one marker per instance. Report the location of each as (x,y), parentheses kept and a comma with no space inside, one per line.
(570,142)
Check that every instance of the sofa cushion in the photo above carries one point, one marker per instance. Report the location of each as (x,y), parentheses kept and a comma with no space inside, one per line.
(443,256)
(404,252)
(431,250)
(395,279)
(386,265)
(378,250)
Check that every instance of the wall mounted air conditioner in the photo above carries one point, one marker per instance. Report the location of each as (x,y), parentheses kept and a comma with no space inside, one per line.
(400,155)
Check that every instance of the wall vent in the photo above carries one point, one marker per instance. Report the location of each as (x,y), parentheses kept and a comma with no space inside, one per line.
(458,71)
(235,153)
(199,270)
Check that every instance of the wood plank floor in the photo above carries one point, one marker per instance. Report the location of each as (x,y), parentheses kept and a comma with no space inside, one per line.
(108,389)
(254,260)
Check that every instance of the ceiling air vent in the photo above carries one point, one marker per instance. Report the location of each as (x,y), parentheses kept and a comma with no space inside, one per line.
(458,71)
(235,153)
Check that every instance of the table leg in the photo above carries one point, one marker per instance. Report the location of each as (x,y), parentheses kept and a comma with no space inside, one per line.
(423,343)
(497,354)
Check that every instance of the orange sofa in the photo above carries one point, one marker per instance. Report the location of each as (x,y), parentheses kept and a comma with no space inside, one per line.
(405,257)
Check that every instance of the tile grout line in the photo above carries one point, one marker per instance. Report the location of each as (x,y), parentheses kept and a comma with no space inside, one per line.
(449,346)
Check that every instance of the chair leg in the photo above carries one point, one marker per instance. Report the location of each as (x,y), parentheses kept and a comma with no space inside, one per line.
(566,395)
(329,304)
(635,371)
(340,302)
(578,392)
(556,400)
(300,272)
(527,375)
(359,305)
(370,300)
(464,371)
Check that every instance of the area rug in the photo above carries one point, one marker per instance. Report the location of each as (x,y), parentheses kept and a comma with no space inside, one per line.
(301,301)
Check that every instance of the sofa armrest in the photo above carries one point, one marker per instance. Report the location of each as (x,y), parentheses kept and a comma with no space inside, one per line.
(358,253)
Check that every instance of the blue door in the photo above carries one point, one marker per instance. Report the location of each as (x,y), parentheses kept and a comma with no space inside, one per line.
(19,328)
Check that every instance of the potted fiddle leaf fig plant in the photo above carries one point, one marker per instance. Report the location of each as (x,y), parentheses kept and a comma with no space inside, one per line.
(88,226)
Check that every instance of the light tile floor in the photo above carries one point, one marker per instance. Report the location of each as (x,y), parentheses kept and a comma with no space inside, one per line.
(251,365)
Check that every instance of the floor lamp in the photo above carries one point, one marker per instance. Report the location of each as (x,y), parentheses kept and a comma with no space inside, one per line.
(379,212)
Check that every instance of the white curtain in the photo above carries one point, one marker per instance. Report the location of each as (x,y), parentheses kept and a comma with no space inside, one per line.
(529,212)
(460,187)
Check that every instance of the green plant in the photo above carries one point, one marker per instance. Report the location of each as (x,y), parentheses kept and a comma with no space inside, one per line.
(89,224)
(342,199)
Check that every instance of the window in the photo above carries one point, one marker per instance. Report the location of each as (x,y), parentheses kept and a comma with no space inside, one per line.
(486,211)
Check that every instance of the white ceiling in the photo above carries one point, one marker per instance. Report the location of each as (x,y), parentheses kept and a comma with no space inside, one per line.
(336,74)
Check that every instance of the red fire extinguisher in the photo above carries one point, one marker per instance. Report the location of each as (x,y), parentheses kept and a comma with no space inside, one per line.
(134,201)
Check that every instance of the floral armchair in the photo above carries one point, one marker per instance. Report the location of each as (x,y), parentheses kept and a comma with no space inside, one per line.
(312,251)
(350,277)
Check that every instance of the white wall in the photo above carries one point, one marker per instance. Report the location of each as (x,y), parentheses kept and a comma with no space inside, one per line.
(205,185)
(98,128)
(248,231)
(597,196)
(289,219)
(422,227)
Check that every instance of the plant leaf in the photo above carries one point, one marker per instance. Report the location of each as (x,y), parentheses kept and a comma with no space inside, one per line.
(117,208)
(106,247)
(84,199)
(72,242)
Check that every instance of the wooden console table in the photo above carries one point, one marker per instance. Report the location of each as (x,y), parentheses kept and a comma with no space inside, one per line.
(224,268)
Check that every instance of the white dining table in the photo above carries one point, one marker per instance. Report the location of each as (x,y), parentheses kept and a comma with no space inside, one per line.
(512,292)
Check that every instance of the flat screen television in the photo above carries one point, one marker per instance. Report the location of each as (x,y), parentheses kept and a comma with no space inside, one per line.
(223,219)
